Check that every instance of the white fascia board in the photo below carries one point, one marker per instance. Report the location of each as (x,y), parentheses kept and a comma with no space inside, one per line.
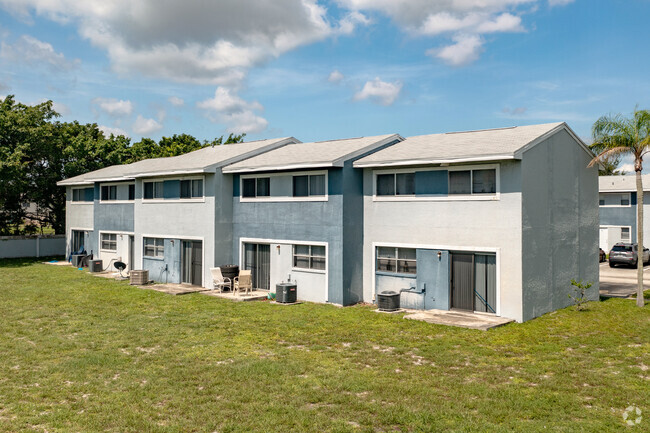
(340,161)
(74,183)
(113,179)
(168,173)
(434,161)
(299,166)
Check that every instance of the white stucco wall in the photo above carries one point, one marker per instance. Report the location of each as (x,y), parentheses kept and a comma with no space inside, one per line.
(486,225)
(78,216)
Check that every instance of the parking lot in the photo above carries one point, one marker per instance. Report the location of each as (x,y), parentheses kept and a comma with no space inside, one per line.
(620,281)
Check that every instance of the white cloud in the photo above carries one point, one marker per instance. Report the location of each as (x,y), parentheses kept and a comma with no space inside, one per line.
(559,2)
(114,107)
(61,108)
(107,130)
(144,126)
(445,22)
(335,76)
(239,115)
(176,101)
(464,50)
(379,91)
(33,52)
(351,21)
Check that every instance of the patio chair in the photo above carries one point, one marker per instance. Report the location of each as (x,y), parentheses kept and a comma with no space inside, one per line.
(219,281)
(243,282)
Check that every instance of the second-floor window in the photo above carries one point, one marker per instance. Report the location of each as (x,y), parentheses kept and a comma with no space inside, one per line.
(192,188)
(473,181)
(132,192)
(614,199)
(256,187)
(309,185)
(109,192)
(153,190)
(396,184)
(82,194)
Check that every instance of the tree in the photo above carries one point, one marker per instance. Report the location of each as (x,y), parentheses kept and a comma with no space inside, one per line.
(618,135)
(609,167)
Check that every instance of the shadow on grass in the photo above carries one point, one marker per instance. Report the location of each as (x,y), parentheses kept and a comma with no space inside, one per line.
(27,261)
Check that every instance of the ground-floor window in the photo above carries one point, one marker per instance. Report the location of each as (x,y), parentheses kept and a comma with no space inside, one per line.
(398,260)
(109,242)
(154,247)
(309,257)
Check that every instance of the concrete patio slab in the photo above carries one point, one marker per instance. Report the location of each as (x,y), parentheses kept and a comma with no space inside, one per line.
(58,263)
(255,295)
(461,319)
(174,289)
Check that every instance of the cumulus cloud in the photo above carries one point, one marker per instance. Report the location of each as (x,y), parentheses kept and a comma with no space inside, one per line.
(108,130)
(464,21)
(239,115)
(464,50)
(176,101)
(33,52)
(114,107)
(144,126)
(351,21)
(335,76)
(379,91)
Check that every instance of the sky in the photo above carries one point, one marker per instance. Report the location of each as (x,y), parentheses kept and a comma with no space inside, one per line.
(320,70)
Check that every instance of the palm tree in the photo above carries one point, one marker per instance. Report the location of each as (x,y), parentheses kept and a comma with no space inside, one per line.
(618,135)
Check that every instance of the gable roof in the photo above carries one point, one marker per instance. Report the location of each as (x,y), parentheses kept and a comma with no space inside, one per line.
(199,161)
(622,183)
(318,154)
(456,147)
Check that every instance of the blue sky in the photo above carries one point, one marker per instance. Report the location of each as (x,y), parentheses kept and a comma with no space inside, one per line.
(321,70)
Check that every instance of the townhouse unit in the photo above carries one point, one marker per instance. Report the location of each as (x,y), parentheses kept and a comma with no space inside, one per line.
(494,221)
(617,204)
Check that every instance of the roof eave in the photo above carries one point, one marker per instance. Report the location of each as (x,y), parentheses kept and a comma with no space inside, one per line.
(340,161)
(282,167)
(403,163)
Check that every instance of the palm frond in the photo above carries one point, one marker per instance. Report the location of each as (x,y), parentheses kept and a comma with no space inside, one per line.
(608,153)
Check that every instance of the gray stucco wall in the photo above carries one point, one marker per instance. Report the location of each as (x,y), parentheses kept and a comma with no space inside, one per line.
(165,269)
(560,224)
(178,219)
(455,224)
(309,221)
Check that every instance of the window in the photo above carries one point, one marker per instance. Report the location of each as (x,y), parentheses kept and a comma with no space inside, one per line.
(256,187)
(309,185)
(625,200)
(132,192)
(82,194)
(153,190)
(154,247)
(109,241)
(472,181)
(309,257)
(192,188)
(625,234)
(109,192)
(601,200)
(396,184)
(614,199)
(400,260)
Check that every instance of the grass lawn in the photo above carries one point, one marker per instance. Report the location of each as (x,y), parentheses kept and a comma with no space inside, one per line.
(80,353)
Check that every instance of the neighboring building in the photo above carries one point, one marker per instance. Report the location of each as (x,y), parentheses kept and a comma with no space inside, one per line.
(494,221)
(298,213)
(171,216)
(617,204)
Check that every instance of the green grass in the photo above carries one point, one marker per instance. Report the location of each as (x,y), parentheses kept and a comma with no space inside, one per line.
(80,353)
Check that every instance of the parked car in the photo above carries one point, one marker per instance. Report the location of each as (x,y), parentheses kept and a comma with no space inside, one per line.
(626,254)
(601,255)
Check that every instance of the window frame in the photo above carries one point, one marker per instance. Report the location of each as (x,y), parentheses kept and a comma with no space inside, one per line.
(162,199)
(310,256)
(81,191)
(110,188)
(111,241)
(156,248)
(395,184)
(397,258)
(442,197)
(191,181)
(284,198)
(623,194)
(256,184)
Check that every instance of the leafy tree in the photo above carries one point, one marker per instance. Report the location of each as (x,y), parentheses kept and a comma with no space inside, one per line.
(609,166)
(619,135)
(36,152)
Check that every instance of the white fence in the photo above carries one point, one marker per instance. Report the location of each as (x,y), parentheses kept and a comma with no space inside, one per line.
(32,246)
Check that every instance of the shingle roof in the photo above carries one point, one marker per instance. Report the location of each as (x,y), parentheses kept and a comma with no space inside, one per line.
(622,183)
(199,161)
(311,155)
(483,145)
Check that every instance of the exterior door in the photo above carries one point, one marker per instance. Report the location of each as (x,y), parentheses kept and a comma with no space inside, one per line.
(257,259)
(77,240)
(462,281)
(192,267)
